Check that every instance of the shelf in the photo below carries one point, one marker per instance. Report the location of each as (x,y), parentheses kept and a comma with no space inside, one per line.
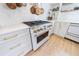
(69,10)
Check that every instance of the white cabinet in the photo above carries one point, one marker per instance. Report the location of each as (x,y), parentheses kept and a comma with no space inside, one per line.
(60,28)
(74,29)
(68,30)
(51,29)
(15,43)
(73,32)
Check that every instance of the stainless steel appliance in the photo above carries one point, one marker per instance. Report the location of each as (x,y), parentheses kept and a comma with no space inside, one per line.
(39,31)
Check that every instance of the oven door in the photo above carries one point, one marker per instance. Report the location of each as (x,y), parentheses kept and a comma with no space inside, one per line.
(42,36)
(41,39)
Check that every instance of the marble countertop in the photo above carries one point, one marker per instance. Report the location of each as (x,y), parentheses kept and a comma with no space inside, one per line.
(70,21)
(11,28)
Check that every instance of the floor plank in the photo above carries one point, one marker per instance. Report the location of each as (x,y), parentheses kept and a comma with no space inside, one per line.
(57,46)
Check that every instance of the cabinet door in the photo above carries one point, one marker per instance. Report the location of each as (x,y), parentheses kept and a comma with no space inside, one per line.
(64,26)
(61,28)
(26,44)
(56,28)
(11,35)
(19,45)
(73,29)
(73,32)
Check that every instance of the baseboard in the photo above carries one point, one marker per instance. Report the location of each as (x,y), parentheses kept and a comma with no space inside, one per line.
(71,40)
(59,36)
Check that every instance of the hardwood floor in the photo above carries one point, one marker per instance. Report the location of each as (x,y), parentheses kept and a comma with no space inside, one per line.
(57,46)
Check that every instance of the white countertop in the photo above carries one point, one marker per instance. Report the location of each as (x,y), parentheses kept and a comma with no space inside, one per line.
(70,21)
(11,28)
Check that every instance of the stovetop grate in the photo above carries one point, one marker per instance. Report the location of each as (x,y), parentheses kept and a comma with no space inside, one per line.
(34,23)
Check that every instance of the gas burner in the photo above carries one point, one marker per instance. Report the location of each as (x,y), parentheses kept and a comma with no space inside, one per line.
(35,23)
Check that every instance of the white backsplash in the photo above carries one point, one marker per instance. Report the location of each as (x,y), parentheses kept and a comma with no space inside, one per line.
(72,16)
(8,16)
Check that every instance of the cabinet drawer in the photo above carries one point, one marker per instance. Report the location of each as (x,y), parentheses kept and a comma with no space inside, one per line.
(14,46)
(9,46)
(11,36)
(74,30)
(17,50)
(24,48)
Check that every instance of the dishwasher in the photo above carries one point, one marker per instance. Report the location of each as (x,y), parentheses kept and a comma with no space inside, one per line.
(73,32)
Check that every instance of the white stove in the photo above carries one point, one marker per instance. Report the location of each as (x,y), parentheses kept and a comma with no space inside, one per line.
(39,31)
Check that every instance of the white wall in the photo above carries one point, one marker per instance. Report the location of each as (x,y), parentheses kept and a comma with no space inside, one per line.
(69,16)
(45,15)
(8,16)
(56,13)
(70,6)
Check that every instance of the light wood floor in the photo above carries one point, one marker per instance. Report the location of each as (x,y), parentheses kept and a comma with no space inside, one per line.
(57,46)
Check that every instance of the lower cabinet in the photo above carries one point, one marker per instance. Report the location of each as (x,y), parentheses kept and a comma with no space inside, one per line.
(51,29)
(68,30)
(18,43)
(61,28)
(73,32)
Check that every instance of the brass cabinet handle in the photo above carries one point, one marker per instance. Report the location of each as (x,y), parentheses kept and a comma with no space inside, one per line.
(15,46)
(9,37)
